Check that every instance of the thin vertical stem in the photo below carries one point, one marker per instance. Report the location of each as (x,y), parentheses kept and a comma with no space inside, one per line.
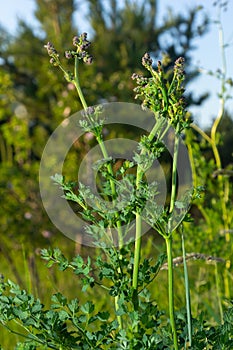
(187,292)
(77,84)
(112,184)
(138,233)
(174,175)
(218,290)
(222,181)
(168,239)
(101,144)
(119,318)
(171,290)
(137,253)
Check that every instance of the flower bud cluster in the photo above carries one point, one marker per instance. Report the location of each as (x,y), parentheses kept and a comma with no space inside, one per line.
(92,121)
(163,95)
(179,68)
(141,84)
(146,60)
(52,52)
(82,45)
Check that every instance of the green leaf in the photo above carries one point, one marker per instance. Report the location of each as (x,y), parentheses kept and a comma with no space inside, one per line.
(58,179)
(59,300)
(50,263)
(73,306)
(88,307)
(103,316)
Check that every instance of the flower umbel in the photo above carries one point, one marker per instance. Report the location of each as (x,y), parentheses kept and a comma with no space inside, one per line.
(52,52)
(82,44)
(163,95)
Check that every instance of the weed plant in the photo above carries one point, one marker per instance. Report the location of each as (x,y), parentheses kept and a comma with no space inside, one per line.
(132,320)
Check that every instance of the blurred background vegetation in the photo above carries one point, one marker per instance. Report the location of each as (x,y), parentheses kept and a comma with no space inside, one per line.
(34,100)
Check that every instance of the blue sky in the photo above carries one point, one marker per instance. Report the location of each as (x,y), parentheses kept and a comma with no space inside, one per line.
(206,55)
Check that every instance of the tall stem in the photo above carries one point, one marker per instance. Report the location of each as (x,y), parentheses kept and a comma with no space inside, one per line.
(100,142)
(218,292)
(112,184)
(187,290)
(137,254)
(168,239)
(77,84)
(171,290)
(174,175)
(138,233)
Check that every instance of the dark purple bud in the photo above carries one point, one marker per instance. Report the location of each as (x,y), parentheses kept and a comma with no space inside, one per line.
(179,66)
(53,61)
(83,36)
(49,45)
(50,48)
(159,65)
(85,45)
(146,60)
(75,40)
(68,55)
(90,110)
(134,76)
(139,79)
(88,60)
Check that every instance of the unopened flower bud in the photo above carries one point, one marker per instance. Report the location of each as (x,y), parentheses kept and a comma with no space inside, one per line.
(50,49)
(75,40)
(68,55)
(146,60)
(83,36)
(88,60)
(90,110)
(179,66)
(53,61)
(159,65)
(134,76)
(85,45)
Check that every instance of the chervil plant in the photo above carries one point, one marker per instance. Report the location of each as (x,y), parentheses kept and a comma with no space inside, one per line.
(133,321)
(165,99)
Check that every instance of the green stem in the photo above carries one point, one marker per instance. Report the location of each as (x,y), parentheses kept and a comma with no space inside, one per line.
(29,337)
(77,84)
(105,154)
(174,175)
(187,291)
(218,290)
(101,144)
(113,189)
(201,132)
(168,239)
(112,184)
(215,126)
(137,254)
(138,233)
(119,228)
(171,290)
(119,318)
